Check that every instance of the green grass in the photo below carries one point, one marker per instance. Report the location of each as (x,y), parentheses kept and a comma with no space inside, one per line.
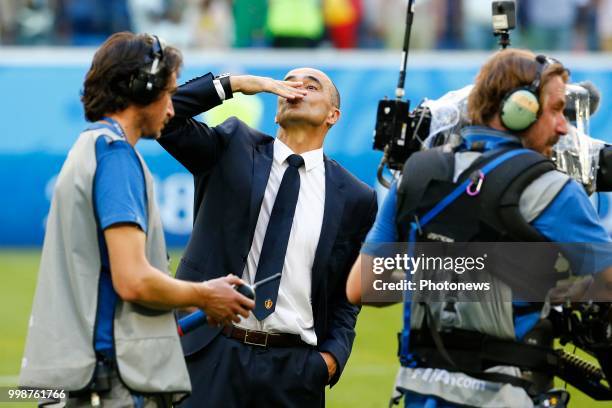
(17,283)
(367,380)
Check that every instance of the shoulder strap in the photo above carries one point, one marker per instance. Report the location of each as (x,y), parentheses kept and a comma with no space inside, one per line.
(469,180)
(509,210)
(419,171)
(499,198)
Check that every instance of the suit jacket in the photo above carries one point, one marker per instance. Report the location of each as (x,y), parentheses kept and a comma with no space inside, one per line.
(231,164)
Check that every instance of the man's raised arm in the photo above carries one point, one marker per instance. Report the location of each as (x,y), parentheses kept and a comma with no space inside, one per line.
(195,145)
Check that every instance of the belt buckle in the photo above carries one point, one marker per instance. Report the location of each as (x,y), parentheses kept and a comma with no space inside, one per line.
(246,341)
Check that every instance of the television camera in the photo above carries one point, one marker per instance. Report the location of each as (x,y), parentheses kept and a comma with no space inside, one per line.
(400,132)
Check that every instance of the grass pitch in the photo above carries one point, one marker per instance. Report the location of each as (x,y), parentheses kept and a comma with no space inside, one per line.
(366,383)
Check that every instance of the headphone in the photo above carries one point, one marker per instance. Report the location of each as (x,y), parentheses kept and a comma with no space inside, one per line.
(145,85)
(520,107)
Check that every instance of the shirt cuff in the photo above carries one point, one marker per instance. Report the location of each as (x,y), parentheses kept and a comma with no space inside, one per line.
(223,86)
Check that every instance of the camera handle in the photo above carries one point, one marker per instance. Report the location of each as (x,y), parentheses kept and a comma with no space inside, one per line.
(392,114)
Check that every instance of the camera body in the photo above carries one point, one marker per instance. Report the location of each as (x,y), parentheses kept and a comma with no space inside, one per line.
(399,132)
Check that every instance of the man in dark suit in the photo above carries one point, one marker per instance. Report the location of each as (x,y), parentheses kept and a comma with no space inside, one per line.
(263,206)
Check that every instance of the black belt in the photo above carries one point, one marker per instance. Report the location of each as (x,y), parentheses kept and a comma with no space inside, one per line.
(479,351)
(263,339)
(472,353)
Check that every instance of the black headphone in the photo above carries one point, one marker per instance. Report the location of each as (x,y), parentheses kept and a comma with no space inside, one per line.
(521,106)
(144,86)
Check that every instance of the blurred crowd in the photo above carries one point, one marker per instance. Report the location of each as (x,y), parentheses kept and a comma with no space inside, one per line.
(573,25)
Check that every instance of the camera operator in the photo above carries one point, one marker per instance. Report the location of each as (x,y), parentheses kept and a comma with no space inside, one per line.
(102,327)
(517,102)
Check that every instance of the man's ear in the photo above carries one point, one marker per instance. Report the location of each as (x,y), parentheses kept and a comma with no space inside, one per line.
(333,117)
(276,119)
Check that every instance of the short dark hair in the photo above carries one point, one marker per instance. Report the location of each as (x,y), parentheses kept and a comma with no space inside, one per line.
(116,62)
(336,96)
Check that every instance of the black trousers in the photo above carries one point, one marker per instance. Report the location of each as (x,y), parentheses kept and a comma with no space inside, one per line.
(228,374)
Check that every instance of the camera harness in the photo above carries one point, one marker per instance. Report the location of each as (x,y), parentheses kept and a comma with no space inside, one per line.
(514,168)
(426,346)
(457,350)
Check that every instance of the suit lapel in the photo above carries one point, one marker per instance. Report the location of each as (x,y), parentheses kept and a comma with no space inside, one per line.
(262,164)
(332,214)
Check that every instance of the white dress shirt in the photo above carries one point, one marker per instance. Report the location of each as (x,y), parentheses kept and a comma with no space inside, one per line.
(293,312)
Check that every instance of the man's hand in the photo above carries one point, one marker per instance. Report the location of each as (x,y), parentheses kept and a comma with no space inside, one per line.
(332,366)
(222,303)
(250,85)
(573,290)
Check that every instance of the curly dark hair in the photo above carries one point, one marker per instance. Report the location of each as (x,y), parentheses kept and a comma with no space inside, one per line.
(116,63)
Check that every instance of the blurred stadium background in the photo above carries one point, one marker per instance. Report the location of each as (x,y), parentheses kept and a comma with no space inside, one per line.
(46,47)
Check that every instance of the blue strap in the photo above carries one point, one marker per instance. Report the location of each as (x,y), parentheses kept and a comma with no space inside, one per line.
(111,125)
(463,186)
(406,358)
(116,126)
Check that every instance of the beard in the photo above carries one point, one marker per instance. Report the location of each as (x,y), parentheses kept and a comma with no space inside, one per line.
(148,128)
(151,136)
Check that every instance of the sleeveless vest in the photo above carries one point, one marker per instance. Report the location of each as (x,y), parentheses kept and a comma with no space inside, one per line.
(59,351)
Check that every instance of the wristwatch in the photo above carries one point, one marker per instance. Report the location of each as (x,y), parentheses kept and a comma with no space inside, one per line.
(223,86)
